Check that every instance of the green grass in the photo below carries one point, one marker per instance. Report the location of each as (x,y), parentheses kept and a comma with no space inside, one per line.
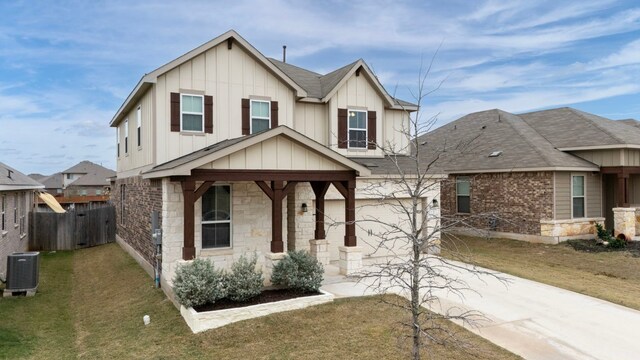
(612,276)
(90,305)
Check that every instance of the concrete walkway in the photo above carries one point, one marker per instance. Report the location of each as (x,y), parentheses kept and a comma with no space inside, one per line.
(534,320)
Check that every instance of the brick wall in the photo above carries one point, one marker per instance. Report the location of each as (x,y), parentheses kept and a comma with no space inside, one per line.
(11,239)
(142,196)
(520,200)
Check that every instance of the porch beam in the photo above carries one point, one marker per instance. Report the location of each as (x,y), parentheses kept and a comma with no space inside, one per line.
(268,175)
(188,193)
(342,189)
(320,190)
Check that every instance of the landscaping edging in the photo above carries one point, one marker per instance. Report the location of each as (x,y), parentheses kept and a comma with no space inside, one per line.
(202,321)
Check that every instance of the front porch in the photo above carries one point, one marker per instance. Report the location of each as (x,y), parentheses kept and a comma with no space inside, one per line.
(621,200)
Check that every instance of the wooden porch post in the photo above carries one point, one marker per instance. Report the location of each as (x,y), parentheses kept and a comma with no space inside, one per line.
(320,189)
(277,245)
(348,190)
(188,249)
(623,189)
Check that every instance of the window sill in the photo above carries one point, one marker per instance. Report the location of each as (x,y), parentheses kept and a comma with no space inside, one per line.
(216,251)
(357,149)
(23,236)
(4,233)
(139,148)
(192,133)
(463,214)
(15,226)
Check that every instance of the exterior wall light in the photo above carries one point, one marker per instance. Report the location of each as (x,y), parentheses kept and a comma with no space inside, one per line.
(305,208)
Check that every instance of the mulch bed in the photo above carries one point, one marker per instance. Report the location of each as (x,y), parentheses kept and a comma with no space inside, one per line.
(266,296)
(592,246)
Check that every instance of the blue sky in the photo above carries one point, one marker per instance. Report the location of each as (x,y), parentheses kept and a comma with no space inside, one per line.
(66,66)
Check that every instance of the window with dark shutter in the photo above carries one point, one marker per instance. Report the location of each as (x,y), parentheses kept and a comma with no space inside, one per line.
(175,112)
(342,128)
(274,114)
(208,114)
(371,130)
(246,117)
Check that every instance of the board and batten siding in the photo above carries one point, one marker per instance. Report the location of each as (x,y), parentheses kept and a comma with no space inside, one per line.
(593,202)
(228,75)
(275,153)
(141,156)
(358,93)
(312,121)
(611,157)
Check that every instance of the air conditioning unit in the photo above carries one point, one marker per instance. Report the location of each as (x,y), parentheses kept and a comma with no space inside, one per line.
(22,271)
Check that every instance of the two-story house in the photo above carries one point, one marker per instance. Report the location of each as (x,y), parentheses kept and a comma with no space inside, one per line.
(244,154)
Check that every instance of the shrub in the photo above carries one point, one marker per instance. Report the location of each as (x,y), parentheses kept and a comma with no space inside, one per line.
(198,283)
(612,242)
(298,270)
(244,282)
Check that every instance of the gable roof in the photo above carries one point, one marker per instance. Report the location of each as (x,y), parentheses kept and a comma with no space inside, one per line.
(464,146)
(148,79)
(570,129)
(321,88)
(12,179)
(183,165)
(55,181)
(632,122)
(86,167)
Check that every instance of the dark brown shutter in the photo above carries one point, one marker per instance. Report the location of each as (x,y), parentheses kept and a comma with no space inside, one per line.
(274,114)
(246,107)
(342,128)
(208,114)
(175,112)
(371,130)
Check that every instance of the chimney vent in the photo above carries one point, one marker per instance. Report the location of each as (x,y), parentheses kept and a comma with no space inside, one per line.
(284,53)
(9,172)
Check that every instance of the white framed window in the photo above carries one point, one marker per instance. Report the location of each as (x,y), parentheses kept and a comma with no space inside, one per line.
(23,207)
(15,209)
(260,116)
(216,217)
(118,140)
(192,113)
(139,124)
(578,202)
(3,212)
(98,192)
(126,136)
(463,194)
(357,129)
(123,188)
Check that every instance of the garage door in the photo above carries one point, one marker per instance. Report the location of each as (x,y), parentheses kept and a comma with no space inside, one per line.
(366,210)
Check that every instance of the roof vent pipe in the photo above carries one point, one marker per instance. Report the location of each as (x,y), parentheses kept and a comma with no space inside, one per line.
(9,172)
(284,53)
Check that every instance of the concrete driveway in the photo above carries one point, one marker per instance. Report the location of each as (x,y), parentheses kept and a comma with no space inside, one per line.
(534,320)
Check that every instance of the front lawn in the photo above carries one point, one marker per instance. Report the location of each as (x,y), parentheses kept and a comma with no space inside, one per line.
(91,302)
(612,276)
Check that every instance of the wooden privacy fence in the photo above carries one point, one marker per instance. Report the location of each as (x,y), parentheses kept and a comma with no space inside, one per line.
(75,229)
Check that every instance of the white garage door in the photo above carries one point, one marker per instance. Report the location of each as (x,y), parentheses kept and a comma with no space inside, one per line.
(366,210)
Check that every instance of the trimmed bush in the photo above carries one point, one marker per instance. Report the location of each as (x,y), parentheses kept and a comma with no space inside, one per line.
(611,241)
(244,282)
(198,283)
(298,270)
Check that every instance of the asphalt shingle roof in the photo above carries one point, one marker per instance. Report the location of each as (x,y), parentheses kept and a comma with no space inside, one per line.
(15,179)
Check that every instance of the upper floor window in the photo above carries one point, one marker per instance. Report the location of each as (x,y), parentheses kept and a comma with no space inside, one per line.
(577,196)
(192,113)
(126,136)
(260,116)
(357,129)
(68,176)
(3,211)
(463,194)
(118,140)
(139,124)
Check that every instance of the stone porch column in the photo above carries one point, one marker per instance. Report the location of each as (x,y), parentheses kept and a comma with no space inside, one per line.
(270,260)
(624,220)
(319,248)
(350,259)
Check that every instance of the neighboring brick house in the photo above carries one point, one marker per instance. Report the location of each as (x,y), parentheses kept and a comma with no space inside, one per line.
(543,176)
(16,199)
(244,154)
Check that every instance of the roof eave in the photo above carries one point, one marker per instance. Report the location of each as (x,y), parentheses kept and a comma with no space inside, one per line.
(532,169)
(20,187)
(601,147)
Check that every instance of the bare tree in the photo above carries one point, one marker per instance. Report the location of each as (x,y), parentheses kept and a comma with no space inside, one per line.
(411,241)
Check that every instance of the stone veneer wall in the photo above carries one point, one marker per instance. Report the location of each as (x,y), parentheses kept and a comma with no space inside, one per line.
(142,196)
(519,199)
